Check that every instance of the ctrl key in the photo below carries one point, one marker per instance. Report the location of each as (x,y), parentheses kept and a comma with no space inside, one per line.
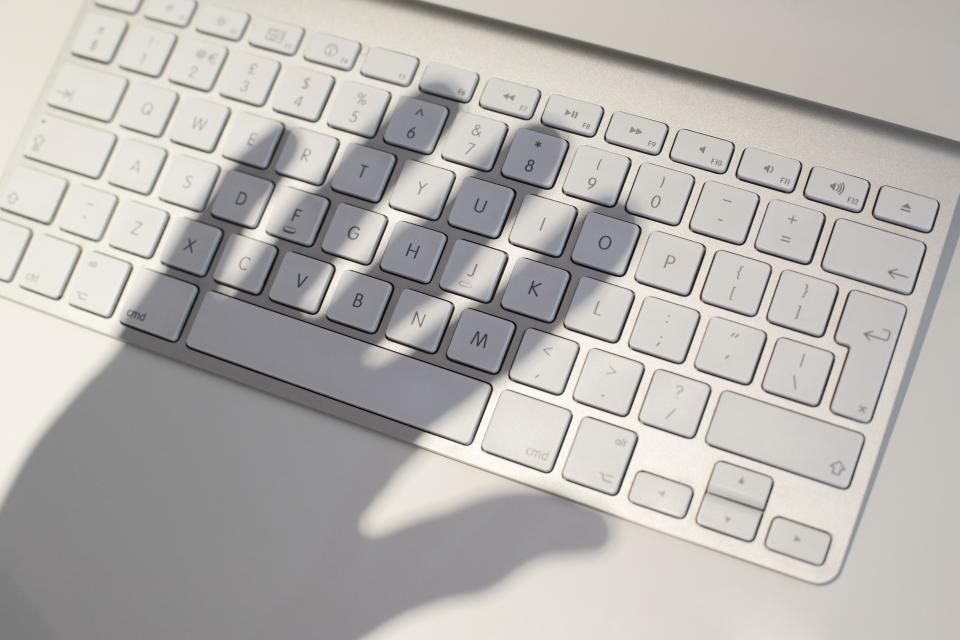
(158,305)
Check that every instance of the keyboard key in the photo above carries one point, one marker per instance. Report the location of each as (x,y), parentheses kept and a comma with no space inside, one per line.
(248,78)
(740,485)
(837,189)
(98,283)
(252,140)
(798,541)
(634,132)
(599,309)
(736,283)
(363,172)
(198,124)
(390,66)
(421,190)
(189,246)
(358,108)
(729,518)
(701,151)
(535,158)
(296,215)
(790,231)
(366,376)
(730,350)
(32,194)
(474,141)
(47,266)
(419,320)
(136,228)
(869,328)
(608,382)
(802,303)
(147,109)
(544,361)
(136,166)
(480,341)
(359,301)
(354,233)
(276,36)
(542,225)
(481,207)
(174,12)
(784,439)
(98,37)
(87,92)
(127,6)
(724,212)
(510,98)
(660,194)
(189,182)
(416,125)
(606,244)
(769,170)
(306,156)
(873,256)
(71,146)
(449,82)
(670,263)
(473,271)
(599,456)
(569,114)
(196,64)
(661,495)
(221,22)
(674,404)
(158,305)
(332,51)
(798,372)
(413,252)
(596,176)
(86,211)
(535,289)
(146,51)
(13,244)
(245,264)
(241,199)
(302,93)
(906,209)
(526,431)
(301,282)
(664,329)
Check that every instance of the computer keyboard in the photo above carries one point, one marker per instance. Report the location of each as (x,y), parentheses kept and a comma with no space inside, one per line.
(637,288)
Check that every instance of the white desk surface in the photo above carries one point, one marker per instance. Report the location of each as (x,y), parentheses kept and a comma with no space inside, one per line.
(144,499)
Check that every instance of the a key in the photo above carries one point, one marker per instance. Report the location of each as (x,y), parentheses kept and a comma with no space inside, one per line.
(416,125)
(542,225)
(241,199)
(359,301)
(332,51)
(736,283)
(147,109)
(481,207)
(599,309)
(660,194)
(869,328)
(32,194)
(790,231)
(740,485)
(196,64)
(664,329)
(730,350)
(606,244)
(354,233)
(873,256)
(188,182)
(47,266)
(837,189)
(136,228)
(71,146)
(570,114)
(473,271)
(302,93)
(701,151)
(729,517)
(608,382)
(157,304)
(798,541)
(306,156)
(248,78)
(449,82)
(474,141)
(221,22)
(296,215)
(276,36)
(670,263)
(173,12)
(535,158)
(245,264)
(13,244)
(86,211)
(526,431)
(136,166)
(252,140)
(535,290)
(906,209)
(724,212)
(97,283)
(189,246)
(802,303)
(596,176)
(98,37)
(510,98)
(389,66)
(87,92)
(363,172)
(480,341)
(301,282)
(674,404)
(544,361)
(636,133)
(599,456)
(413,252)
(146,51)
(798,372)
(769,170)
(419,320)
(198,124)
(661,494)
(421,190)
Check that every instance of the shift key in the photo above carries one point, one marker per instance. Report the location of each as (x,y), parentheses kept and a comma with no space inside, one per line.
(71,146)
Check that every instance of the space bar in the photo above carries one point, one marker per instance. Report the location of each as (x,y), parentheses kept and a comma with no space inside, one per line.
(366,376)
